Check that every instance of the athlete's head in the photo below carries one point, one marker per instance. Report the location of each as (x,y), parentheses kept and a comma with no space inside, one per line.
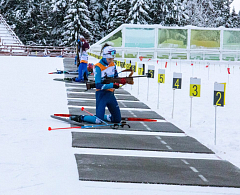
(108,52)
(82,38)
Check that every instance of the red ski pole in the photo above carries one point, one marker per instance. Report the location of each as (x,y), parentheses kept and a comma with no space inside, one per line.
(50,128)
(83,109)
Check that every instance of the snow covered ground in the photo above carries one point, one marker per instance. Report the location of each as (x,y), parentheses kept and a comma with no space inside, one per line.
(36,161)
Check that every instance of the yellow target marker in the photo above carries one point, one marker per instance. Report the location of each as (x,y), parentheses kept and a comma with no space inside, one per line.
(161,76)
(195,87)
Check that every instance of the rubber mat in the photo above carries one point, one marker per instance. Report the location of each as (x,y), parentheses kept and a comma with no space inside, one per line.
(175,171)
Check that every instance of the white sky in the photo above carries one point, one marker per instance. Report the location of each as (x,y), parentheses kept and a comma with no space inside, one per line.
(236,4)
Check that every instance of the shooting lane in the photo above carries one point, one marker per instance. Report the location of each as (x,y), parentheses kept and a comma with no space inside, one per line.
(148,152)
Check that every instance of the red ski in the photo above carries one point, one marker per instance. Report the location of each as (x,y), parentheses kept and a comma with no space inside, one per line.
(123,118)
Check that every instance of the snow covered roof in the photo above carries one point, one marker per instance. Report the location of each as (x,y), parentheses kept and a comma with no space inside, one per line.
(7,35)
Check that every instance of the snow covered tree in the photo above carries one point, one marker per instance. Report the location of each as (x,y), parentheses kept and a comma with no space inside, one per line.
(123,10)
(233,20)
(186,8)
(76,22)
(117,14)
(207,13)
(156,12)
(98,15)
(60,22)
(201,12)
(7,7)
(43,25)
(59,11)
(173,10)
(222,12)
(25,21)
(139,12)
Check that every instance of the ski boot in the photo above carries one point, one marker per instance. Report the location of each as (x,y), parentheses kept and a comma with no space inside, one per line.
(77,118)
(69,79)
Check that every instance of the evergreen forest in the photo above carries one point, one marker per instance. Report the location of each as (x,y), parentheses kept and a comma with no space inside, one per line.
(61,22)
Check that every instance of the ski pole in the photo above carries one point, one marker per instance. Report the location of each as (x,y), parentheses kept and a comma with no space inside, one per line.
(83,109)
(79,127)
(50,128)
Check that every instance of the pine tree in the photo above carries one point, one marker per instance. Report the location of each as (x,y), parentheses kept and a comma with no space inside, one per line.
(77,22)
(139,12)
(59,11)
(43,26)
(156,12)
(225,12)
(233,20)
(26,20)
(123,10)
(117,12)
(207,13)
(98,14)
(186,14)
(173,9)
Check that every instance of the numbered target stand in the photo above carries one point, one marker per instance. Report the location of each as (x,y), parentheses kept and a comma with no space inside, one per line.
(218,100)
(128,64)
(134,66)
(151,69)
(161,79)
(141,72)
(177,84)
(195,89)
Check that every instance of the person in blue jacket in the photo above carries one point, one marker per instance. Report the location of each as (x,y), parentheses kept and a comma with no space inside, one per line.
(104,92)
(82,68)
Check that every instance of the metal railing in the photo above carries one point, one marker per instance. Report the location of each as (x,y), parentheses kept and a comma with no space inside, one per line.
(38,51)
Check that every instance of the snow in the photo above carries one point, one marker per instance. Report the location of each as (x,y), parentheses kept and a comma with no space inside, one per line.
(36,161)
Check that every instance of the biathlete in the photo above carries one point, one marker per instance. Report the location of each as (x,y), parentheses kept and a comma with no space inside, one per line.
(82,68)
(104,92)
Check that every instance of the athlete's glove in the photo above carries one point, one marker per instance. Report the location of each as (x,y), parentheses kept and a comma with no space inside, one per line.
(116,85)
(123,81)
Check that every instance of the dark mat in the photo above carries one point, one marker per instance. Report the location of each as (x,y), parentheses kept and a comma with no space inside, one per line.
(139,114)
(154,127)
(121,104)
(92,96)
(174,171)
(147,126)
(138,142)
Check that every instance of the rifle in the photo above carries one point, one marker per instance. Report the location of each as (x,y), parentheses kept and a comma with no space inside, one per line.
(108,80)
(79,45)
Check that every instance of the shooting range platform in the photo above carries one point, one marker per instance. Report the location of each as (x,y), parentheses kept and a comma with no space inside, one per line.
(148,152)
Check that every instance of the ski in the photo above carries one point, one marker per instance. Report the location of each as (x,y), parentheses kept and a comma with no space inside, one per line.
(66,120)
(66,80)
(69,80)
(123,118)
(82,126)
(64,72)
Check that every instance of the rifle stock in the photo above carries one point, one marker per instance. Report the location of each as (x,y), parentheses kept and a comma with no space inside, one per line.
(107,80)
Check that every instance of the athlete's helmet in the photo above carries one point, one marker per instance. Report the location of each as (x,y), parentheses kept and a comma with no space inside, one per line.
(109,52)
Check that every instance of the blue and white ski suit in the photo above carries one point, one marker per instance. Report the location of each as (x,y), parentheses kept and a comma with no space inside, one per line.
(105,94)
(82,68)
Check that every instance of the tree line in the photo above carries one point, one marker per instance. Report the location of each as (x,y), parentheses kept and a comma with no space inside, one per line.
(61,22)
